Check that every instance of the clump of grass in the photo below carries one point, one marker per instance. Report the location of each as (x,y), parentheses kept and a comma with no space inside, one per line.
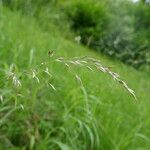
(16,78)
(85,62)
(86,127)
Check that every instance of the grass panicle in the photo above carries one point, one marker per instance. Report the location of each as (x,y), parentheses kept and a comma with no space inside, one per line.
(91,63)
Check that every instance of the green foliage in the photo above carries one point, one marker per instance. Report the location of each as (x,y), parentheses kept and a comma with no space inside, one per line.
(128,36)
(89,20)
(98,116)
(28,7)
(124,35)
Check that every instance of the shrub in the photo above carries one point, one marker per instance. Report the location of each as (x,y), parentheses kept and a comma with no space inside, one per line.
(123,35)
(89,20)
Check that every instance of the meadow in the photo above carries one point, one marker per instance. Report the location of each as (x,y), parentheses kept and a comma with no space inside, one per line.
(48,102)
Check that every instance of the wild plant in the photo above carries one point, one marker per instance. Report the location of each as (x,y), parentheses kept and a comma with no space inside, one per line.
(84,62)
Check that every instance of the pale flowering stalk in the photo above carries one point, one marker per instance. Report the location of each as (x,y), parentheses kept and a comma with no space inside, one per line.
(11,75)
(91,63)
(86,62)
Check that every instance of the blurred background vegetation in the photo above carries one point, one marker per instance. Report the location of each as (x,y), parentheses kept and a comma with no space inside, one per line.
(120,29)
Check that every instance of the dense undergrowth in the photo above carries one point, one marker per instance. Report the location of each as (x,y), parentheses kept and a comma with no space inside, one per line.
(44,107)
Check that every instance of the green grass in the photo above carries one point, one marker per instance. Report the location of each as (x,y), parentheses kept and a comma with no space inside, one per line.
(102,115)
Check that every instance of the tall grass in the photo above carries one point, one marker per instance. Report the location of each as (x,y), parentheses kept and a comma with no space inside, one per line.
(43,106)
